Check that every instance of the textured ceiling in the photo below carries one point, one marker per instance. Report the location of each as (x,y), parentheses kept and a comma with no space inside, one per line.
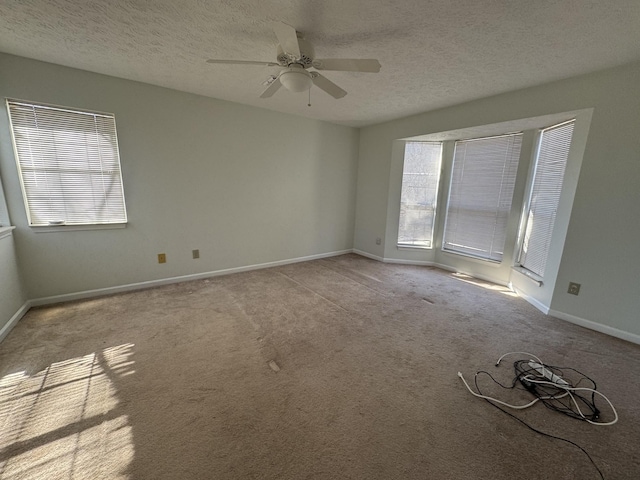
(433,53)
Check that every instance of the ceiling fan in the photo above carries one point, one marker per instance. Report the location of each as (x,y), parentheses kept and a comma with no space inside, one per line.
(296,55)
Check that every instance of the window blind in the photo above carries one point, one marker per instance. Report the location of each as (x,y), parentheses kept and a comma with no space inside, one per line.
(482,183)
(420,176)
(69,165)
(553,151)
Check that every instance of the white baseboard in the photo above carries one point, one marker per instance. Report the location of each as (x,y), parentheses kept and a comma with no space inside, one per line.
(4,331)
(400,261)
(536,303)
(67,297)
(392,260)
(368,255)
(598,327)
(445,267)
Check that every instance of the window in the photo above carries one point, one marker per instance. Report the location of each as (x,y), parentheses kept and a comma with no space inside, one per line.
(553,150)
(69,165)
(420,176)
(482,183)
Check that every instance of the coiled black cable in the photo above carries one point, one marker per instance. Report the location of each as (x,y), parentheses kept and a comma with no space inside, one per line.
(529,426)
(555,398)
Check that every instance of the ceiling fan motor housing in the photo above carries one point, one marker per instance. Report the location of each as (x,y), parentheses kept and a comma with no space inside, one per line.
(306,55)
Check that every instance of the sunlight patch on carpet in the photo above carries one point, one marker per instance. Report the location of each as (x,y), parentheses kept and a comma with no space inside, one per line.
(463,277)
(65,421)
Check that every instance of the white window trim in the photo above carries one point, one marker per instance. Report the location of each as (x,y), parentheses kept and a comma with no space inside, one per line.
(406,246)
(479,260)
(40,228)
(6,231)
(410,246)
(537,279)
(517,266)
(467,256)
(76,228)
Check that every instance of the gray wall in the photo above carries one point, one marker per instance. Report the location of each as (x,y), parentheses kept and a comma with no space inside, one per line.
(4,213)
(604,226)
(12,293)
(243,185)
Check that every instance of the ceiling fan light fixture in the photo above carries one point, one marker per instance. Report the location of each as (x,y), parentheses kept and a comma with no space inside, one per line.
(296,79)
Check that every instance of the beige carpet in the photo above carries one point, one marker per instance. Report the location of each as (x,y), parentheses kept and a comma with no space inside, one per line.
(182,382)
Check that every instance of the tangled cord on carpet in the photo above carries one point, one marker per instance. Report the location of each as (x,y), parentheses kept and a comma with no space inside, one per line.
(555,388)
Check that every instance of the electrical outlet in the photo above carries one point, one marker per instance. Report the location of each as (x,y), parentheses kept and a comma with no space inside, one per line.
(574,288)
(162,258)
(195,253)
(378,241)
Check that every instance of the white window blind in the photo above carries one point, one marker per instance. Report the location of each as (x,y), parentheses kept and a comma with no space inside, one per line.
(420,176)
(482,183)
(553,151)
(69,165)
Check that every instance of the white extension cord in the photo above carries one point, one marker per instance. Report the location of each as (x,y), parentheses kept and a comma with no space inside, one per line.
(547,377)
(548,374)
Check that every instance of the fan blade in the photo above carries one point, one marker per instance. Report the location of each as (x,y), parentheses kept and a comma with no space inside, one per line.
(287,38)
(243,62)
(323,83)
(370,65)
(271,89)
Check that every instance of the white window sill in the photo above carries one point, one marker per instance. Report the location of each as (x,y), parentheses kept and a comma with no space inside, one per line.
(413,247)
(471,258)
(6,231)
(75,228)
(530,275)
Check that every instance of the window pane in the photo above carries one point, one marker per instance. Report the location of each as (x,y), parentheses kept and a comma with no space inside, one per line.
(482,183)
(420,176)
(69,165)
(553,151)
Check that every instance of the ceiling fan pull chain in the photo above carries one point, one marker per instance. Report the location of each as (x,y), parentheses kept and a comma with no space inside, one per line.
(309,104)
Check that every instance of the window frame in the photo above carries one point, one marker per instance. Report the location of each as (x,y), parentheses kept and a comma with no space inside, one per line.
(531,183)
(452,174)
(438,172)
(118,222)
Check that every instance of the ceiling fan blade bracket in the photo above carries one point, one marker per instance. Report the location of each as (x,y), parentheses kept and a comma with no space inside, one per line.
(274,85)
(270,80)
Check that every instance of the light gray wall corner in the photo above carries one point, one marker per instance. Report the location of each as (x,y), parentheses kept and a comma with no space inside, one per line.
(371,205)
(4,212)
(13,298)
